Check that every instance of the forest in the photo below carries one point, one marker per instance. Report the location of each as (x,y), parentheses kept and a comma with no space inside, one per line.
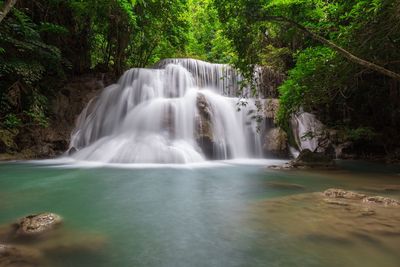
(199,133)
(340,59)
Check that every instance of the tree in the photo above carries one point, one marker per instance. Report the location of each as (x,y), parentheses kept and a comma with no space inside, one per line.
(350,56)
(7,6)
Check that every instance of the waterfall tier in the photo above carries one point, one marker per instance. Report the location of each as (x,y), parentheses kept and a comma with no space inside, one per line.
(181,111)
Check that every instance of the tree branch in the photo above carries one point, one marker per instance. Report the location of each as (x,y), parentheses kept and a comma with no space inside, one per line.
(340,50)
(8,5)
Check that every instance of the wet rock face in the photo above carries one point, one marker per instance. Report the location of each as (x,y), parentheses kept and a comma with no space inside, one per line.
(204,134)
(271,107)
(335,193)
(35,141)
(275,139)
(203,106)
(275,142)
(37,224)
(308,159)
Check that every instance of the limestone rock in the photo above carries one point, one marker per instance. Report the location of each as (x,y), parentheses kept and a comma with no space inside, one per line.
(335,202)
(335,193)
(271,106)
(37,224)
(204,134)
(340,193)
(381,201)
(275,142)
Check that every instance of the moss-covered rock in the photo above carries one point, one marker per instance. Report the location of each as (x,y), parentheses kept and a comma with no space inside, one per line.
(37,224)
(309,159)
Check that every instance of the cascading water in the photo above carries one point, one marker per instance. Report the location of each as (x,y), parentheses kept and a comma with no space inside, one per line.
(181,111)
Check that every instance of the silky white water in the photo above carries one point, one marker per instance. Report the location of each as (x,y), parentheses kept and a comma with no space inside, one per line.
(182,111)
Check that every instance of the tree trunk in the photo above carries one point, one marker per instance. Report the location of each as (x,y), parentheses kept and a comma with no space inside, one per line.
(8,5)
(340,50)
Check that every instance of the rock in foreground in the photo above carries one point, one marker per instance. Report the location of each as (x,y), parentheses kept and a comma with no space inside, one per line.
(340,193)
(37,224)
(308,159)
(350,195)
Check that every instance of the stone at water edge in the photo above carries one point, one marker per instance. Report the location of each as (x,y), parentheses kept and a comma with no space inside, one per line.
(37,224)
(340,193)
(381,201)
(336,193)
(307,158)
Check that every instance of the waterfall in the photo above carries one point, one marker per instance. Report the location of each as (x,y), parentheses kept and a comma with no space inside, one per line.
(179,111)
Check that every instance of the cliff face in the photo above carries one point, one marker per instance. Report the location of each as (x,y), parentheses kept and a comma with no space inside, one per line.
(275,139)
(34,141)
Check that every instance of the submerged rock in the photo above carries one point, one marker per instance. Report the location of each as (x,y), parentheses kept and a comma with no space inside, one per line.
(281,185)
(19,256)
(350,195)
(319,220)
(381,201)
(336,202)
(37,224)
(340,193)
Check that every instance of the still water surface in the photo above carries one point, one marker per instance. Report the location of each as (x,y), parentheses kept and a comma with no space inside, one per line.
(220,214)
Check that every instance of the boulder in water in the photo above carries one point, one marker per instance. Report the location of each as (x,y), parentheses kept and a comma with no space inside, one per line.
(37,224)
(340,193)
(308,159)
(385,201)
(336,193)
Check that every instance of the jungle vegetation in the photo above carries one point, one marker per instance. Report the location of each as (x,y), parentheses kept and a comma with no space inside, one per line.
(341,58)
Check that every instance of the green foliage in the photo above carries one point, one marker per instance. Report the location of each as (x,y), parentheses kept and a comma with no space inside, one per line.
(37,109)
(11,121)
(206,39)
(304,86)
(42,41)
(317,78)
(25,59)
(360,133)
(25,55)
